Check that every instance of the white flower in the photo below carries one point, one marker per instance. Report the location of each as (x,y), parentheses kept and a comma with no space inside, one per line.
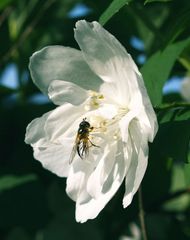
(112,99)
(185,88)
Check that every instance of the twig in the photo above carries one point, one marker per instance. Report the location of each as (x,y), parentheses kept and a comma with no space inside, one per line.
(141,214)
(5,14)
(27,31)
(173,105)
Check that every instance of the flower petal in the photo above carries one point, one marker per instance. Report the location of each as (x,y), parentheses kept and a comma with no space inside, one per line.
(138,164)
(35,130)
(53,157)
(102,170)
(124,124)
(98,47)
(90,208)
(63,122)
(76,181)
(108,59)
(61,63)
(185,88)
(146,113)
(61,91)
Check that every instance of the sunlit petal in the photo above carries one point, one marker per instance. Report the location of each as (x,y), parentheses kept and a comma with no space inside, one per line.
(138,162)
(61,91)
(90,208)
(61,63)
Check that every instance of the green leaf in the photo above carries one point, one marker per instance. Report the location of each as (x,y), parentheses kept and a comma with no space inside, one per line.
(174,140)
(187,173)
(185,62)
(113,8)
(10,181)
(174,112)
(174,133)
(149,1)
(181,202)
(157,69)
(4,3)
(179,27)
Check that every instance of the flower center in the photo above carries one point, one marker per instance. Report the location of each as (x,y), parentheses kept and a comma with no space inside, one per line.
(103,117)
(94,100)
(104,125)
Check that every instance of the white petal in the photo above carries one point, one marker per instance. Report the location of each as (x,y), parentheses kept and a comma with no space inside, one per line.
(146,114)
(55,157)
(124,124)
(185,88)
(99,47)
(77,179)
(61,63)
(108,59)
(35,130)
(138,165)
(61,91)
(90,208)
(63,122)
(103,169)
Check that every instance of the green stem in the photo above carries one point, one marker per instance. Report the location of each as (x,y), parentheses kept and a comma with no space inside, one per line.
(5,15)
(173,105)
(141,214)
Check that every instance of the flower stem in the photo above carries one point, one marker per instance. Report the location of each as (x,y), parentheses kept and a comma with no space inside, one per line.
(141,214)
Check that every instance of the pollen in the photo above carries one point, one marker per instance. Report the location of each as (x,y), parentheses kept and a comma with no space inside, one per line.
(98,123)
(116,135)
(94,100)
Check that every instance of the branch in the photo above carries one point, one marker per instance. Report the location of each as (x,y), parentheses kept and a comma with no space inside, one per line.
(141,214)
(5,14)
(27,31)
(173,105)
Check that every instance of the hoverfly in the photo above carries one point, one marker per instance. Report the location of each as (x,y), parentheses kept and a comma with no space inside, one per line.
(82,141)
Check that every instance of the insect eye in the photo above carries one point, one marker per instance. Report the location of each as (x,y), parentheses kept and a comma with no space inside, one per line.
(87,124)
(81,124)
(84,124)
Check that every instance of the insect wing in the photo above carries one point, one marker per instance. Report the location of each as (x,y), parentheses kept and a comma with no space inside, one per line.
(83,149)
(74,150)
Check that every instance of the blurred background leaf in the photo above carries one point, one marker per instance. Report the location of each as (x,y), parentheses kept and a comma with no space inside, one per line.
(8,182)
(113,8)
(158,68)
(4,3)
(150,1)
